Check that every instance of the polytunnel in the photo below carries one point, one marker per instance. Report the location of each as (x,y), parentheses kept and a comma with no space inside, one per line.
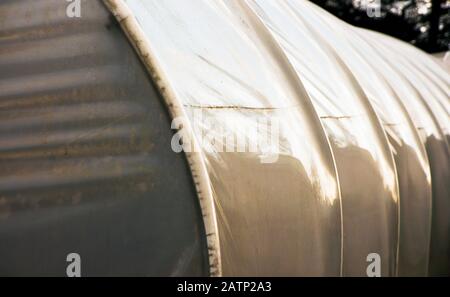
(217,138)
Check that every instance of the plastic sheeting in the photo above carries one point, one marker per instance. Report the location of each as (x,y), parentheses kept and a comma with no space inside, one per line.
(84,158)
(275,218)
(410,155)
(431,121)
(363,157)
(340,103)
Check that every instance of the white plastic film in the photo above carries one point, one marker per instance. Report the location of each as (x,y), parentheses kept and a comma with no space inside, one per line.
(273,101)
(410,156)
(277,195)
(363,157)
(426,105)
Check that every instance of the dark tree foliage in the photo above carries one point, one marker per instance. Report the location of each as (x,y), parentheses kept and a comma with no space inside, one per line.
(424,23)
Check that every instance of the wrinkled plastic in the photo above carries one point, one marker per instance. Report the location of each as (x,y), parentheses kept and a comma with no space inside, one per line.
(280,218)
(346,119)
(363,157)
(410,156)
(422,102)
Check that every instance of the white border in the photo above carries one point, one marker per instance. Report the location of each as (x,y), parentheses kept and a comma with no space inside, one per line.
(196,159)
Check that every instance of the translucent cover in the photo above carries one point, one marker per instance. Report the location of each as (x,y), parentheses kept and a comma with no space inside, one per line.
(410,156)
(310,140)
(278,210)
(426,98)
